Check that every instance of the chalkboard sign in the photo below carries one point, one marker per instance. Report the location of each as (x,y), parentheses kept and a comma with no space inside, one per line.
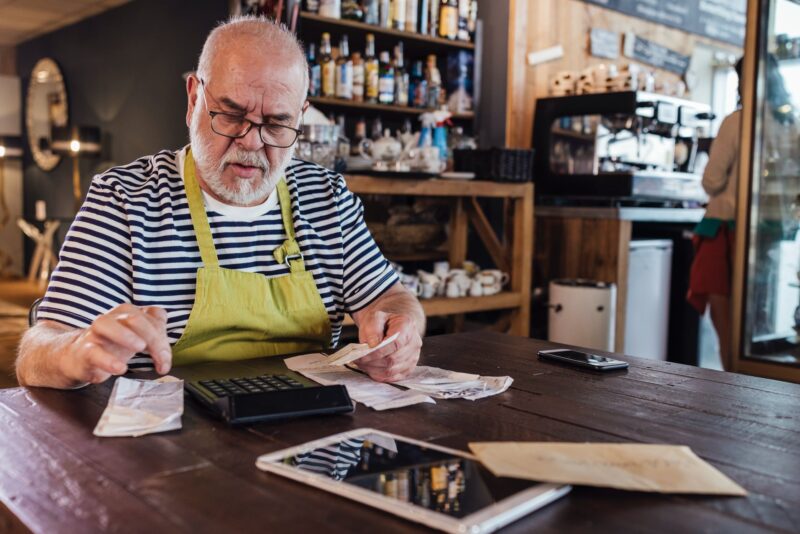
(655,54)
(723,20)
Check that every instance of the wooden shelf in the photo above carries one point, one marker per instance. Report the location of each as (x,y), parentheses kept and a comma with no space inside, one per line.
(437,187)
(421,255)
(407,110)
(371,28)
(441,306)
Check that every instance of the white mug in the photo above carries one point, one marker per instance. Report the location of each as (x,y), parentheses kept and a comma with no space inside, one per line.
(441,269)
(427,291)
(453,291)
(476,289)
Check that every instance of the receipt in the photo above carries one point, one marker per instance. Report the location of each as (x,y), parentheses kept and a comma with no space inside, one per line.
(376,395)
(444,384)
(139,407)
(354,351)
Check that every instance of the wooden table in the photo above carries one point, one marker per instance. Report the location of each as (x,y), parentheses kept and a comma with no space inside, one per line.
(56,477)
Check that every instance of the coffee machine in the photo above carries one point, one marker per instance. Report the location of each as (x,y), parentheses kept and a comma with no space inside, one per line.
(627,146)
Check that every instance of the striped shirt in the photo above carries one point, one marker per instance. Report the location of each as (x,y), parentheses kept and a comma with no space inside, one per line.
(133,242)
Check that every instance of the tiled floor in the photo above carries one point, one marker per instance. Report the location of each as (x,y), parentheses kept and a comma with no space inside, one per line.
(16,297)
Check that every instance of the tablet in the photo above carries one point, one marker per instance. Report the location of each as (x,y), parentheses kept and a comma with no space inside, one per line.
(442,488)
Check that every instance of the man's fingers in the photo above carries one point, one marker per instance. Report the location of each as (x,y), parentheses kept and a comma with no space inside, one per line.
(158,313)
(155,338)
(98,358)
(371,329)
(381,353)
(106,326)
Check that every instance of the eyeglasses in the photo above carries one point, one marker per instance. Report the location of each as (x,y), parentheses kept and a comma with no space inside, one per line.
(236,126)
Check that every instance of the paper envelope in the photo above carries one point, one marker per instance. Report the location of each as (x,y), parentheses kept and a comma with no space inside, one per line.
(638,467)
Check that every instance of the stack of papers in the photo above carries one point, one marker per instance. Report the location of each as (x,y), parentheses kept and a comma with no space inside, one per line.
(444,384)
(359,386)
(139,407)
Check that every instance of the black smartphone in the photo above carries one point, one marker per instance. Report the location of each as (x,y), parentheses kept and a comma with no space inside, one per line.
(583,359)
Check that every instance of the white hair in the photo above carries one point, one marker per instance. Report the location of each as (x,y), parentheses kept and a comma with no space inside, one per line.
(271,35)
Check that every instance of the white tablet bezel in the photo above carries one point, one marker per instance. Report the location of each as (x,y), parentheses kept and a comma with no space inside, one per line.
(488,519)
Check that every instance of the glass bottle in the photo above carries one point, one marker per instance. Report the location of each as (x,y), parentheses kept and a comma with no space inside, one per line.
(434,80)
(400,76)
(433,16)
(412,9)
(448,19)
(358,77)
(314,72)
(327,67)
(371,12)
(371,68)
(418,86)
(399,14)
(344,71)
(463,20)
(312,6)
(386,80)
(385,13)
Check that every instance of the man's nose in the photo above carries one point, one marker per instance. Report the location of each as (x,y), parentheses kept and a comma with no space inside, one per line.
(251,140)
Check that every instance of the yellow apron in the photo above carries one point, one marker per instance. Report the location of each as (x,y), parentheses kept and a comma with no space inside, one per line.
(240,315)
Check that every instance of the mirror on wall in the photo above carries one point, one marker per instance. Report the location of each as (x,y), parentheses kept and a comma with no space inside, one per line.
(46,107)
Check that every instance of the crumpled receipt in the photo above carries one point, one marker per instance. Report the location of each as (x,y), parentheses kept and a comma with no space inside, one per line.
(360,387)
(139,407)
(444,384)
(354,351)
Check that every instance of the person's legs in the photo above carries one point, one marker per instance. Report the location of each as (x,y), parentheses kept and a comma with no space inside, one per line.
(721,317)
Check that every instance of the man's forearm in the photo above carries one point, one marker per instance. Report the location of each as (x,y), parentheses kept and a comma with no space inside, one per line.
(39,352)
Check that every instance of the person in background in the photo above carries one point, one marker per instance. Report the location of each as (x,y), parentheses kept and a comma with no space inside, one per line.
(711,271)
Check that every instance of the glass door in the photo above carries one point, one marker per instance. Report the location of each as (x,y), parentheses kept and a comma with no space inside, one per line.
(768,275)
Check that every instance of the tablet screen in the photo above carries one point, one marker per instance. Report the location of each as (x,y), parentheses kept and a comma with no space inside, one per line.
(436,480)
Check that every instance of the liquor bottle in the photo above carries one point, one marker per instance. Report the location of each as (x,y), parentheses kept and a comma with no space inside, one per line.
(344,71)
(433,16)
(399,14)
(312,6)
(418,86)
(472,24)
(401,78)
(313,71)
(327,67)
(434,80)
(376,131)
(371,12)
(371,69)
(358,77)
(385,13)
(331,8)
(463,19)
(386,80)
(424,12)
(351,10)
(359,136)
(412,8)
(448,19)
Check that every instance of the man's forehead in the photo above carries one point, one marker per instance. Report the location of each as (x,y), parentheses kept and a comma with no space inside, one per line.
(259,82)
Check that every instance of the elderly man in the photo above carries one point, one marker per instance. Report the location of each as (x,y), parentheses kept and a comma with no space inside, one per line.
(227,249)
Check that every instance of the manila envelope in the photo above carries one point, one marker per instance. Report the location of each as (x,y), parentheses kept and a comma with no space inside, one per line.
(637,467)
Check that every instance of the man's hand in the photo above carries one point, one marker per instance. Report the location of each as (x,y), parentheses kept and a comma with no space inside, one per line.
(105,347)
(394,312)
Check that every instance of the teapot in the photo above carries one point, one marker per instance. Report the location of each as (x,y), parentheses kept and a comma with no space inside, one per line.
(385,148)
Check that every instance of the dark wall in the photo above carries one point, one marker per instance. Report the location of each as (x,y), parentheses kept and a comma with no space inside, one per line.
(494,72)
(122,71)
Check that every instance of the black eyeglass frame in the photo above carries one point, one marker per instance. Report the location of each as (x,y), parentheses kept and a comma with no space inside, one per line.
(251,124)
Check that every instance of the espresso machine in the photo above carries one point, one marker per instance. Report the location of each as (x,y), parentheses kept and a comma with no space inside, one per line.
(624,147)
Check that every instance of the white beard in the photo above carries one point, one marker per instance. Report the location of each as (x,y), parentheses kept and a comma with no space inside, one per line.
(243,191)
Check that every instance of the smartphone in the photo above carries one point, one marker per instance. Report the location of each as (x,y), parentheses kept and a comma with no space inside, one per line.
(583,359)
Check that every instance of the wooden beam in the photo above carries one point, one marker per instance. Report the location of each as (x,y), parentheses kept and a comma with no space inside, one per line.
(487,235)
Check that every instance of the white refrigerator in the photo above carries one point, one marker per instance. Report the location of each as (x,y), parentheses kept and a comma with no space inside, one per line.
(647,302)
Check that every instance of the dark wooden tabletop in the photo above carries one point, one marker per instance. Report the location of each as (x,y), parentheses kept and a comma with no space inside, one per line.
(55,476)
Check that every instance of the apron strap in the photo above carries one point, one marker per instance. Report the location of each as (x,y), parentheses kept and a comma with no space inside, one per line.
(198,212)
(288,253)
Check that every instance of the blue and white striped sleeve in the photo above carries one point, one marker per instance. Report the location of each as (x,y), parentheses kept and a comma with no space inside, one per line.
(367,273)
(94,270)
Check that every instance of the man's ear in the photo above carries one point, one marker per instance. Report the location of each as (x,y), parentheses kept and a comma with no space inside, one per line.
(192,86)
